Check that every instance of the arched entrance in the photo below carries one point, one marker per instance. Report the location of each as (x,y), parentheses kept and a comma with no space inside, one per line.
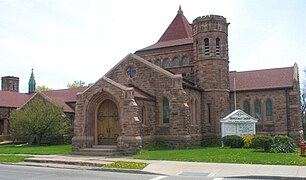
(108,127)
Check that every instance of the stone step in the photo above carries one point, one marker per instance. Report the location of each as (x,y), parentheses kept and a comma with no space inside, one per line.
(105,147)
(97,153)
(99,150)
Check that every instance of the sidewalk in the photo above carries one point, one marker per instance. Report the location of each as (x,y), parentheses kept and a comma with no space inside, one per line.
(173,168)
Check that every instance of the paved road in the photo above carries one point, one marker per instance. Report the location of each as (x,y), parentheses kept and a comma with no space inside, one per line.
(13,172)
(17,172)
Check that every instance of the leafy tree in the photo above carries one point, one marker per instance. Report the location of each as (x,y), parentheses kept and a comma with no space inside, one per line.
(76,84)
(42,88)
(37,120)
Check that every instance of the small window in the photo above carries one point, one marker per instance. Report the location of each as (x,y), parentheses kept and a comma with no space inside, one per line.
(246,106)
(157,62)
(167,62)
(185,60)
(257,109)
(165,110)
(196,111)
(176,61)
(206,47)
(209,113)
(217,47)
(269,109)
(143,115)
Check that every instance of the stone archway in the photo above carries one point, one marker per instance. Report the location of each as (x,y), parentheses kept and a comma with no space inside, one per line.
(107,126)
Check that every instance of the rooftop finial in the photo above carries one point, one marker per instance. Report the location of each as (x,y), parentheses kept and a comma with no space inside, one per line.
(32,83)
(180,11)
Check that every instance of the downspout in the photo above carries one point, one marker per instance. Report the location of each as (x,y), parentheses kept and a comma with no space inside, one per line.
(287,110)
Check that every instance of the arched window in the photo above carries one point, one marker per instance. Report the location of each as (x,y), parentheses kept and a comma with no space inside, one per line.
(269,109)
(176,61)
(143,115)
(157,62)
(206,47)
(166,110)
(185,60)
(166,62)
(217,47)
(192,111)
(196,112)
(257,109)
(246,106)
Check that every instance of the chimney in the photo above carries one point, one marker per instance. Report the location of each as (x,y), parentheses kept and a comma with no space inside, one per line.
(10,83)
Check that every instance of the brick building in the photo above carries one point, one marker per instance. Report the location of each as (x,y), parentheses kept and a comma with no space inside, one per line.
(175,92)
(11,99)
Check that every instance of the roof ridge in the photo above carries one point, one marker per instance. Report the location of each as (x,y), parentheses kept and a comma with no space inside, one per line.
(260,69)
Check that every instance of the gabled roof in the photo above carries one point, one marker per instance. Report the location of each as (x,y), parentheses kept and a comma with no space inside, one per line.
(61,97)
(13,99)
(179,32)
(262,79)
(64,96)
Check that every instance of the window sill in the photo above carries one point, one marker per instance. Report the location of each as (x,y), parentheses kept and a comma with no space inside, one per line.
(164,125)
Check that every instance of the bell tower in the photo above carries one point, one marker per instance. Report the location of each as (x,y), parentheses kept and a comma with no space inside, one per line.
(210,44)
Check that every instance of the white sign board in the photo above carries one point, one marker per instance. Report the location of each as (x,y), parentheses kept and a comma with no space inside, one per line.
(238,123)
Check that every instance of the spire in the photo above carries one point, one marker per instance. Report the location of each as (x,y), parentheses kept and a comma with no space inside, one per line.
(32,84)
(180,11)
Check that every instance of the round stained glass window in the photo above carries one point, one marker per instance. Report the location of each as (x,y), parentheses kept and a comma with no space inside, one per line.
(131,72)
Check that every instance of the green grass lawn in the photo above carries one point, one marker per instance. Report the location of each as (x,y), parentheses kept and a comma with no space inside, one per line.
(12,158)
(223,155)
(33,149)
(126,165)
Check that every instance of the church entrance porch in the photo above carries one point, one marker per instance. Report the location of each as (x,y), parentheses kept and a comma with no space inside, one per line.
(108,126)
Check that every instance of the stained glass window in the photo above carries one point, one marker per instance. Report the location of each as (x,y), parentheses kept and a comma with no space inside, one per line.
(131,72)
(246,106)
(185,60)
(167,62)
(269,109)
(257,109)
(165,110)
(158,62)
(176,61)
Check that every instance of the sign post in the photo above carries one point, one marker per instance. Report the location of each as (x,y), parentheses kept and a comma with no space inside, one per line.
(238,123)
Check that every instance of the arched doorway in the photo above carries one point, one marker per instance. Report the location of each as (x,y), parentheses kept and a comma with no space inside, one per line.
(108,127)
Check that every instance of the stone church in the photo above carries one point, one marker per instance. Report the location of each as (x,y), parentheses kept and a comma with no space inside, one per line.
(175,92)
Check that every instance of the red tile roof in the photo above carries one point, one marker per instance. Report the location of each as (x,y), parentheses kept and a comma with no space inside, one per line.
(179,32)
(13,99)
(178,29)
(140,93)
(63,96)
(262,79)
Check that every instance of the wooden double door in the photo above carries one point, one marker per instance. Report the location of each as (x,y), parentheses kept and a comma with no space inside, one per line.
(108,126)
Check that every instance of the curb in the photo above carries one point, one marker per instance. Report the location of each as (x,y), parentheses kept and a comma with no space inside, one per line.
(78,165)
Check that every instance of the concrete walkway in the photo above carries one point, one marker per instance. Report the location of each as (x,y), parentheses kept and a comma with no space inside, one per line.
(173,168)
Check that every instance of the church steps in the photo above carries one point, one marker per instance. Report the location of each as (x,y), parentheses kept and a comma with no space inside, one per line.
(99,150)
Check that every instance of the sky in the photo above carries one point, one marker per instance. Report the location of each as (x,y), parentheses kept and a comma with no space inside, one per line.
(68,40)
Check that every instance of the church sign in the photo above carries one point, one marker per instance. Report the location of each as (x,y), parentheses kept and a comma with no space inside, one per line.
(238,123)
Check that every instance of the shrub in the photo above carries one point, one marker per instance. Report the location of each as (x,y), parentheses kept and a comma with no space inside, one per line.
(233,141)
(262,142)
(247,141)
(281,138)
(210,141)
(283,144)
